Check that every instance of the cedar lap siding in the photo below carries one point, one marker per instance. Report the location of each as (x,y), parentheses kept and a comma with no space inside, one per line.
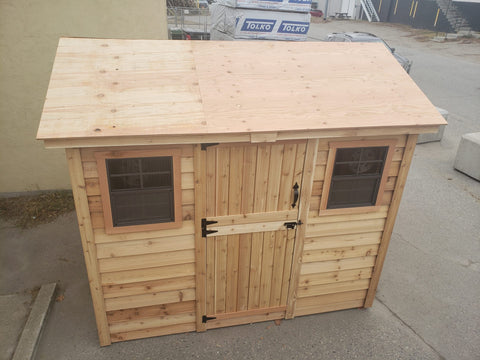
(239,157)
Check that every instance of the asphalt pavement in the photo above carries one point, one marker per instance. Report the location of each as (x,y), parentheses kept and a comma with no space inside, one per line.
(428,299)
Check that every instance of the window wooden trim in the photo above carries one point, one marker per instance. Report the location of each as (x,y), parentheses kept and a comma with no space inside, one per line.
(333,146)
(101,156)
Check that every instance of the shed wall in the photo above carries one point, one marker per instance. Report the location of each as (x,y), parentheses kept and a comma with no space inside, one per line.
(340,251)
(148,278)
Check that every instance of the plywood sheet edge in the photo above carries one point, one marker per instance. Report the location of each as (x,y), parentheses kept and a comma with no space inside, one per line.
(231,137)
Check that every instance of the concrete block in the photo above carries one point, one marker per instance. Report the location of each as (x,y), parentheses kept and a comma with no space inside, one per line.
(425,138)
(468,155)
(33,328)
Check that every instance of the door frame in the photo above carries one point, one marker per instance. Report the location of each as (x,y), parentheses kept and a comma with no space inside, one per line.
(200,179)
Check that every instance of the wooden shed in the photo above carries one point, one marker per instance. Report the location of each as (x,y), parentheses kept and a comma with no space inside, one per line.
(224,183)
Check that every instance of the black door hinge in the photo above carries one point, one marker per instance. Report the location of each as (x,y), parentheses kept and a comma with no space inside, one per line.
(205,145)
(205,318)
(292,224)
(205,223)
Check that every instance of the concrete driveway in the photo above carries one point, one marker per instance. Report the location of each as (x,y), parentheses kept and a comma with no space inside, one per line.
(428,299)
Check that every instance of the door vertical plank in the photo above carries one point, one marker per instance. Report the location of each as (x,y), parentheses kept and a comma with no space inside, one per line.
(234,207)
(244,270)
(210,297)
(278,268)
(223,179)
(273,189)
(211,185)
(249,171)
(260,197)
(287,268)
(284,203)
(303,207)
(267,269)
(248,193)
(286,179)
(274,177)
(235,185)
(211,181)
(199,161)
(232,273)
(255,271)
(261,178)
(223,175)
(299,163)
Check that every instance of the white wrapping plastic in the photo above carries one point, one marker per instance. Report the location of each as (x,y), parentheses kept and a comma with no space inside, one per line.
(283,5)
(259,24)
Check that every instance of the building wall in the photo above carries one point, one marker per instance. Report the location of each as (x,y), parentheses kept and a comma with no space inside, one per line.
(416,13)
(340,251)
(29,33)
(147,278)
(471,12)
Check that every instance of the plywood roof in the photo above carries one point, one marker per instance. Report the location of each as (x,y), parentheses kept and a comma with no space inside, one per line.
(103,90)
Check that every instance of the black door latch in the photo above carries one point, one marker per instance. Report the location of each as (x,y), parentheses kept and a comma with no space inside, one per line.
(295,194)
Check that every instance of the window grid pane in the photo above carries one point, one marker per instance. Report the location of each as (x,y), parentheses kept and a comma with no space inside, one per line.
(141,190)
(356,176)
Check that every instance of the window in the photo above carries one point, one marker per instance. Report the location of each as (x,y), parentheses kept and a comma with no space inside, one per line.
(356,174)
(140,190)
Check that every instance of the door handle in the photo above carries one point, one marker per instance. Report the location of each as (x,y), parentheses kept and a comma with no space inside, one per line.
(295,195)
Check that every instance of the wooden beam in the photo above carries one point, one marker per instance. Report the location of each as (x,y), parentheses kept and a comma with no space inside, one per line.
(303,208)
(199,160)
(88,243)
(88,142)
(390,222)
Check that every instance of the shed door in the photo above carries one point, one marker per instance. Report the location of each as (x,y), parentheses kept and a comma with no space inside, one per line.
(249,193)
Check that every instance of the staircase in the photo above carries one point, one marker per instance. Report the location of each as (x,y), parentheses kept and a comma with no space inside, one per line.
(454,16)
(369,10)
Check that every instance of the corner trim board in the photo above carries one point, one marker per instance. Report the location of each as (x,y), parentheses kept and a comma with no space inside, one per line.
(390,222)
(88,243)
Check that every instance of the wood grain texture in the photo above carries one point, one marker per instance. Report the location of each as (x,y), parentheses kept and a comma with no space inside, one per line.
(318,309)
(119,316)
(336,241)
(333,288)
(146,261)
(159,331)
(247,319)
(168,89)
(339,253)
(200,242)
(340,264)
(101,237)
(153,322)
(335,277)
(145,246)
(157,298)
(322,300)
(392,215)
(157,273)
(303,206)
(88,243)
(148,287)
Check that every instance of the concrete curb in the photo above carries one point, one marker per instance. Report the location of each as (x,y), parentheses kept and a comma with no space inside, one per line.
(31,332)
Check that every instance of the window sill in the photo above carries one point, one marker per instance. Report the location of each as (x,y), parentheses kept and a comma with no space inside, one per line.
(351,210)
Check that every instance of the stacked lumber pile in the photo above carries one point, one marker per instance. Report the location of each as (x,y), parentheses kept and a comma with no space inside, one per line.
(260,20)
